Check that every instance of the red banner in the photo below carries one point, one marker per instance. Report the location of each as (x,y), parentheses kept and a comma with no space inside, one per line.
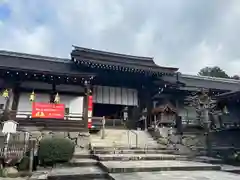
(90,103)
(90,109)
(48,110)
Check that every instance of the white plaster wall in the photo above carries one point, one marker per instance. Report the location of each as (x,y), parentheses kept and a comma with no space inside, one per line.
(75,105)
(2,101)
(25,106)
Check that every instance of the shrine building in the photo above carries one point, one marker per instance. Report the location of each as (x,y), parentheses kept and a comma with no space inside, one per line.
(58,94)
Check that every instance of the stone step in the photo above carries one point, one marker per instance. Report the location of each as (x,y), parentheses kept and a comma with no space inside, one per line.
(176,175)
(123,141)
(126,138)
(230,168)
(134,152)
(136,157)
(119,146)
(79,162)
(127,148)
(74,173)
(150,166)
(82,156)
(112,140)
(207,159)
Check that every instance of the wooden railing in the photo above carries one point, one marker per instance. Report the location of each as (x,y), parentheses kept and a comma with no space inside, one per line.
(14,114)
(71,122)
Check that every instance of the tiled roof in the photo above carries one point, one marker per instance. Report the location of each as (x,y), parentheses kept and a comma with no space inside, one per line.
(115,59)
(21,61)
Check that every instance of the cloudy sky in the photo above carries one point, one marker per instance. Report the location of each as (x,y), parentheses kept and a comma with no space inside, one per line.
(188,34)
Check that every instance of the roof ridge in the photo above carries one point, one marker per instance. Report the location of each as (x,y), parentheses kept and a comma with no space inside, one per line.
(32,56)
(144,58)
(211,78)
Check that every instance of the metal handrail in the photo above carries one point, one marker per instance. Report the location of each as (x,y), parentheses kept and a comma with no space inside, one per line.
(129,137)
(146,148)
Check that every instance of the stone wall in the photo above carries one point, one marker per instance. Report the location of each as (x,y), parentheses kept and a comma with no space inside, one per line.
(81,140)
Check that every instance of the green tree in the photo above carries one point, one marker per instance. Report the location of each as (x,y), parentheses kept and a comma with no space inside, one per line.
(236,77)
(213,72)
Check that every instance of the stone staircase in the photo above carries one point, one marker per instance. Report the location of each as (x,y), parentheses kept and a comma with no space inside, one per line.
(122,138)
(120,161)
(140,164)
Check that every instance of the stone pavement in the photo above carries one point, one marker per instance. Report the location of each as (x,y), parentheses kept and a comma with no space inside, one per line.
(77,172)
(177,175)
(19,178)
(156,165)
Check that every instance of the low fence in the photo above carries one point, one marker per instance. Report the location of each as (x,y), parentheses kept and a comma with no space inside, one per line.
(13,146)
(97,122)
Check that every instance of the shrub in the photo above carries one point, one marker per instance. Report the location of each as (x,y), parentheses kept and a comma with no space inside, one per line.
(55,150)
(24,164)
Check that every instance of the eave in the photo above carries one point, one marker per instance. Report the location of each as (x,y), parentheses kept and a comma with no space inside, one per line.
(228,95)
(95,59)
(26,66)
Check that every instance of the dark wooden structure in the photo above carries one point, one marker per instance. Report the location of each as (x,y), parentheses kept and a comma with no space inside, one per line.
(88,68)
(16,68)
(119,70)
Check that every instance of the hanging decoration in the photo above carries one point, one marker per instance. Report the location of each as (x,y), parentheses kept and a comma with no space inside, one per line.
(5,94)
(32,96)
(225,110)
(57,99)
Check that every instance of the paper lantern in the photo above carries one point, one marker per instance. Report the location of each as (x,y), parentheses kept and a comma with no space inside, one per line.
(32,97)
(5,94)
(57,99)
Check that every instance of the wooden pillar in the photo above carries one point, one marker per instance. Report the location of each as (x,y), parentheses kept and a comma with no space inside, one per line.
(16,96)
(149,106)
(85,104)
(9,101)
(53,93)
(15,100)
(155,116)
(146,102)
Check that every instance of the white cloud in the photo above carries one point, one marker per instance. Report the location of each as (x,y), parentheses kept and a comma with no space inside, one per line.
(185,34)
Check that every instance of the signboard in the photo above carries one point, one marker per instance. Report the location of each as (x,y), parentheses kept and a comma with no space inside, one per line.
(48,110)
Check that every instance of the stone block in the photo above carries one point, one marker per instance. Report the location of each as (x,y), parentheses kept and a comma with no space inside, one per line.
(59,134)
